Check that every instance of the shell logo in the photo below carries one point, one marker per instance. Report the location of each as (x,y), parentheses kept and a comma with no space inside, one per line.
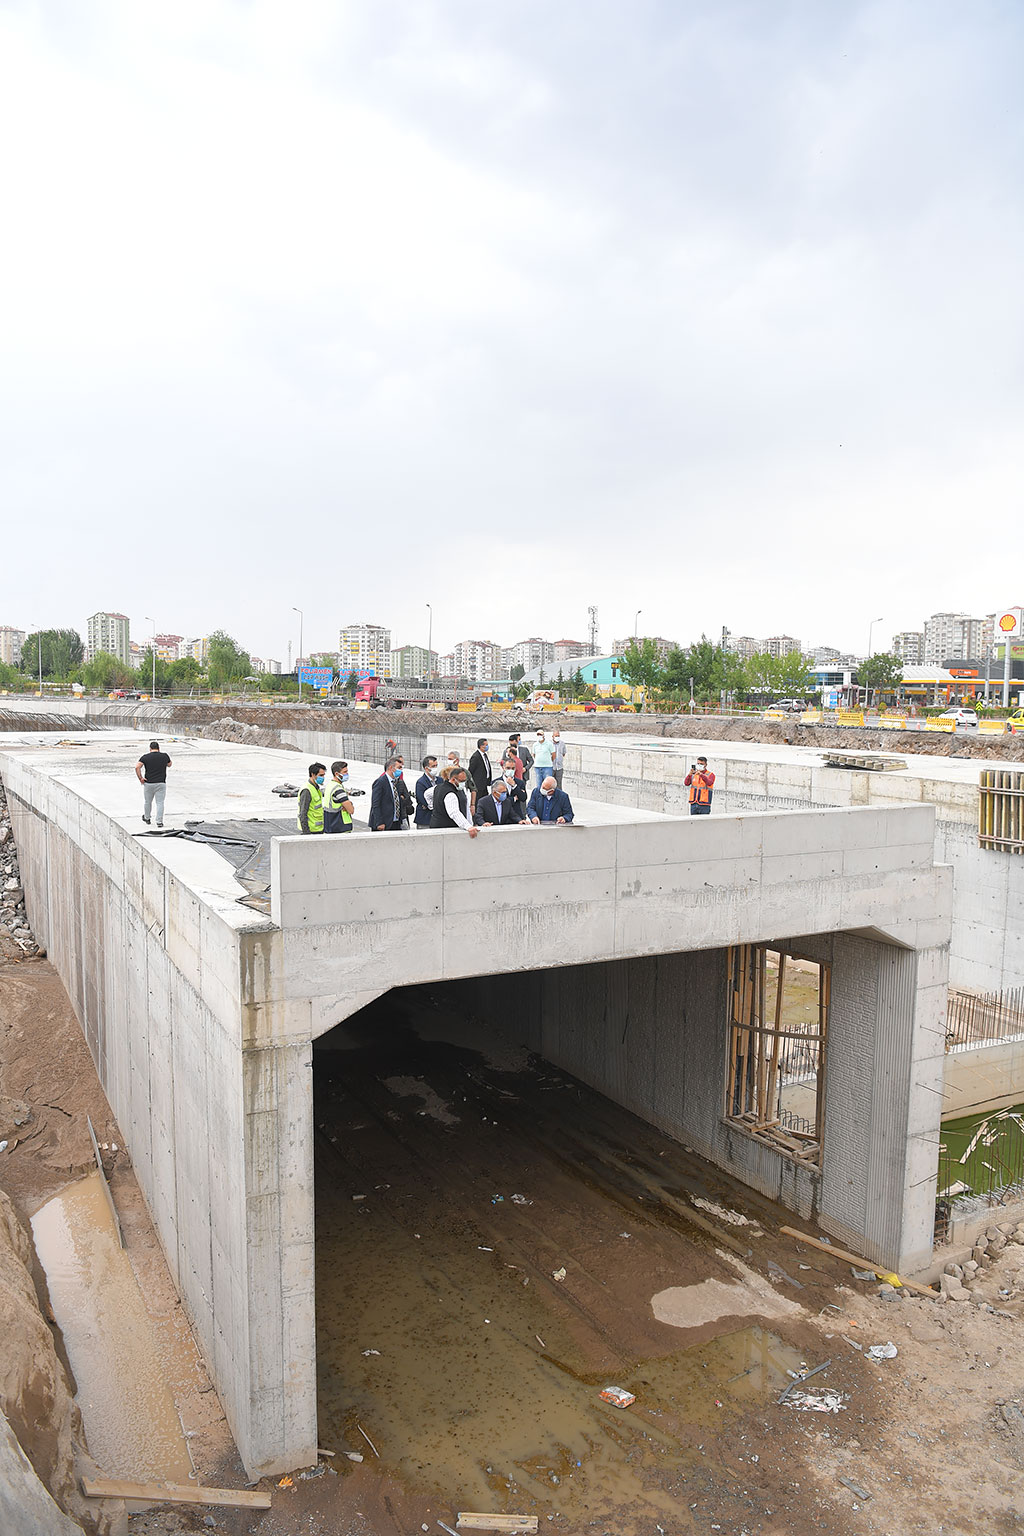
(1008,622)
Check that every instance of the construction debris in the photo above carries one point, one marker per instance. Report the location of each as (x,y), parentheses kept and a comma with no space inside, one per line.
(511,1525)
(175,1493)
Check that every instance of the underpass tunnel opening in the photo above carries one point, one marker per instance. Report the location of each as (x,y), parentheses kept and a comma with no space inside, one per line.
(512,1214)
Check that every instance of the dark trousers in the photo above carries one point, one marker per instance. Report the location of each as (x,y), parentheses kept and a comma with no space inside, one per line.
(700,810)
(333,822)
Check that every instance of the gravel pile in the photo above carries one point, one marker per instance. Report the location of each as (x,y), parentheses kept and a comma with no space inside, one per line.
(13,922)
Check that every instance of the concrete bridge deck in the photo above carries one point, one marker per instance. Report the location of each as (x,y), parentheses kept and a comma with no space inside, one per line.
(201,1013)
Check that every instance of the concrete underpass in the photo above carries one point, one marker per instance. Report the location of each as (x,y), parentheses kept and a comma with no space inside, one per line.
(610,951)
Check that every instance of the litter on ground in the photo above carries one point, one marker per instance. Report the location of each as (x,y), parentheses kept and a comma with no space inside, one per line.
(815,1402)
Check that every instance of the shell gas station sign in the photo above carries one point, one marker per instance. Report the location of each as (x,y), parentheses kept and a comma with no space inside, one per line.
(1008,624)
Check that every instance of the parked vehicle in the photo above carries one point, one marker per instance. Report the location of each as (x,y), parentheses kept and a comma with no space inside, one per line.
(960,716)
(378,693)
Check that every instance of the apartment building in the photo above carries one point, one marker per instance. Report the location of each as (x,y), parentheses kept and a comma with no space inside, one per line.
(478,660)
(951,635)
(365,648)
(11,642)
(908,645)
(527,654)
(413,661)
(108,632)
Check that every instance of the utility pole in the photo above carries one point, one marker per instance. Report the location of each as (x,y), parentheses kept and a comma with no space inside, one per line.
(592,618)
(430,646)
(153,622)
(301,652)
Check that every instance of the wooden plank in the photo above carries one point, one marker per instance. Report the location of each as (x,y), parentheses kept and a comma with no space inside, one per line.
(509,1523)
(855,1258)
(173,1493)
(773,1065)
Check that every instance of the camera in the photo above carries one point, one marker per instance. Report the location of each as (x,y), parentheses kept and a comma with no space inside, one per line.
(693,767)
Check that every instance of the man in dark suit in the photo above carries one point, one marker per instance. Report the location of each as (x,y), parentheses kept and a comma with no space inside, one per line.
(523,753)
(480,772)
(425,792)
(549,805)
(498,809)
(386,806)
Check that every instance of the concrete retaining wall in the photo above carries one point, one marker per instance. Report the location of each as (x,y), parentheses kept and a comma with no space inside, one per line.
(653,1035)
(162,984)
(983,1077)
(200,1013)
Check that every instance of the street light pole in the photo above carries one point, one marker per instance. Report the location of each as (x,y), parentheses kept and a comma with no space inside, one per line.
(153,622)
(39,646)
(871,627)
(430,645)
(636,619)
(301,655)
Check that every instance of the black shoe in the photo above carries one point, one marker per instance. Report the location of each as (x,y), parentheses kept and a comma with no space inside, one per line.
(146,820)
(159,823)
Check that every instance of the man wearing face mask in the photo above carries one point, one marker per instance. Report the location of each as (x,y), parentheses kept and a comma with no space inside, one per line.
(557,756)
(450,802)
(549,805)
(542,757)
(338,807)
(498,809)
(311,800)
(386,805)
(425,792)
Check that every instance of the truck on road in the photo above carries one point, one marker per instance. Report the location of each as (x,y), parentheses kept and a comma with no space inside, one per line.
(378,693)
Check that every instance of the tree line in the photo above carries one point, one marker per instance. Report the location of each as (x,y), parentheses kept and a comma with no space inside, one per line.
(58,656)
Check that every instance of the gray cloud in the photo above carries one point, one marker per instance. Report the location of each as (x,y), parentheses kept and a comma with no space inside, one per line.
(712,310)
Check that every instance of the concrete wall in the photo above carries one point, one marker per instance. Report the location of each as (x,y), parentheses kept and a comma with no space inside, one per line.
(985,1076)
(162,985)
(653,1035)
(200,1013)
(987,950)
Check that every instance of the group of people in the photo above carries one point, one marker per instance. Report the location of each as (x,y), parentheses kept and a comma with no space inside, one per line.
(455,796)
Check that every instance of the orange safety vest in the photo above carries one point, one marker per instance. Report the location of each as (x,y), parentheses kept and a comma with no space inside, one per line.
(700,792)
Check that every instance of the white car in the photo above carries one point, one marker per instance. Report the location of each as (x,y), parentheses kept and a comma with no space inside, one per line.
(960,716)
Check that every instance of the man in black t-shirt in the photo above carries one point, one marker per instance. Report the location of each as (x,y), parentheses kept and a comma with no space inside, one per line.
(151,772)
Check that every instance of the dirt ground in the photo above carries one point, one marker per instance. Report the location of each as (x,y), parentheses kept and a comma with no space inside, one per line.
(485,1391)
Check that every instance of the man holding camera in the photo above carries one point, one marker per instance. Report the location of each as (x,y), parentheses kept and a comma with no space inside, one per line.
(701,785)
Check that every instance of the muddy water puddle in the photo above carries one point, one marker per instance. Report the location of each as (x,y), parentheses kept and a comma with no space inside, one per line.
(131,1423)
(446,1332)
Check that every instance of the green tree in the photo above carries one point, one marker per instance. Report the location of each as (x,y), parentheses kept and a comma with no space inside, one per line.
(226,663)
(882,672)
(640,665)
(185,673)
(782,675)
(62,652)
(517,672)
(106,671)
(10,678)
(351,684)
(577,685)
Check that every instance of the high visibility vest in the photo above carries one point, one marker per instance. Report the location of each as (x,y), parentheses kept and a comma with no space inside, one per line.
(700,793)
(316,807)
(335,795)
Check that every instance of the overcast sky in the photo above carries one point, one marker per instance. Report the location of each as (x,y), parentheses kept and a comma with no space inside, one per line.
(710,309)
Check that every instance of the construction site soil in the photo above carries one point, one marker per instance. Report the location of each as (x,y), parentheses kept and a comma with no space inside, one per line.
(260,725)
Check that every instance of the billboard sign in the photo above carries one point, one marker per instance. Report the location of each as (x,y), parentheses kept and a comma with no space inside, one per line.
(1008,624)
(316,677)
